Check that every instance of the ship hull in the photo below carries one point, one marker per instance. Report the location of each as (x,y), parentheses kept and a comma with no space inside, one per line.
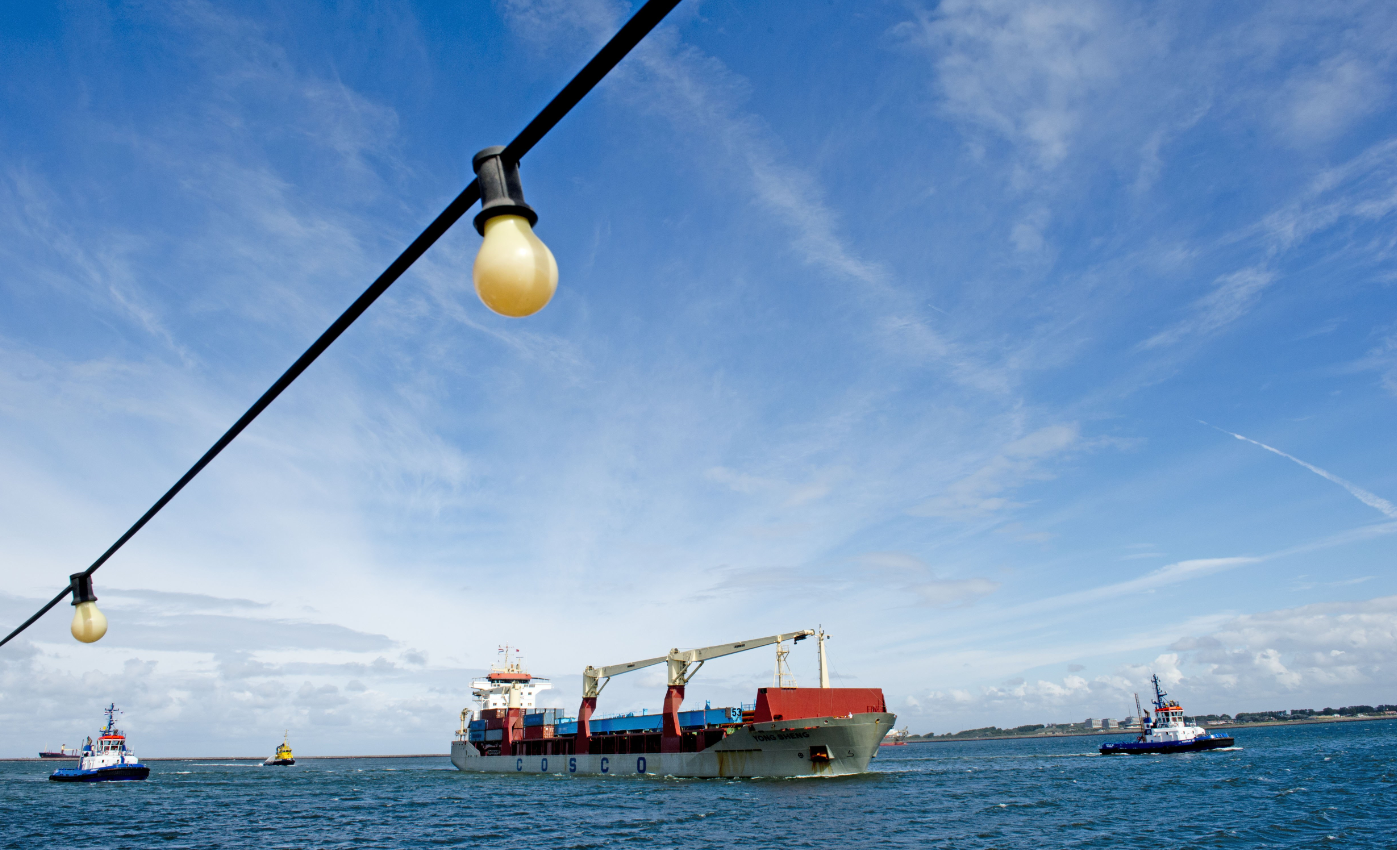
(1212,742)
(278,762)
(119,773)
(824,746)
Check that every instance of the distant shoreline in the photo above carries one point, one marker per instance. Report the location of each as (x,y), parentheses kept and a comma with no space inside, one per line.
(949,740)
(256,758)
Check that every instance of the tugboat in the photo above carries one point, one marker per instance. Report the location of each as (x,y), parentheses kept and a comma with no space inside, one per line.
(282,756)
(107,760)
(1168,733)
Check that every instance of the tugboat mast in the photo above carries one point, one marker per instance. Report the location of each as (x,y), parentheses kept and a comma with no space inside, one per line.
(1159,693)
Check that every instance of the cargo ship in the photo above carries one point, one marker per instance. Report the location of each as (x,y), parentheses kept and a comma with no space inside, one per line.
(1167,733)
(787,732)
(61,753)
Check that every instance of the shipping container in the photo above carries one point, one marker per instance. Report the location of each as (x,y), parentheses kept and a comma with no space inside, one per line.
(541,717)
(709,717)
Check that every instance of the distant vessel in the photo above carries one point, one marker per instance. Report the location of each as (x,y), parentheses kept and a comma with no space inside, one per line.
(61,753)
(282,756)
(896,738)
(107,760)
(788,731)
(1167,733)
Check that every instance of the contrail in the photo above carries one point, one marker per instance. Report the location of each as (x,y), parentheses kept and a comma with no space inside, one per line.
(1359,493)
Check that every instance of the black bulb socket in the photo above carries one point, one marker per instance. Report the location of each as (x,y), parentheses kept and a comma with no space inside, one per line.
(501,193)
(82,588)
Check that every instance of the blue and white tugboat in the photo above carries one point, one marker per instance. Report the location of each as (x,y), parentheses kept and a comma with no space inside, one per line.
(1168,733)
(107,760)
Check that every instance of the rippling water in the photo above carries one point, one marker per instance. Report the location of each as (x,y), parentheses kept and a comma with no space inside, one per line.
(1322,785)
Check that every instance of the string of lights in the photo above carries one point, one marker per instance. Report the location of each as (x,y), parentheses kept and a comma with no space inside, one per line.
(514,274)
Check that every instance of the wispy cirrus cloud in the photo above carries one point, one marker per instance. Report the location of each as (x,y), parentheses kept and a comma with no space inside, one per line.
(700,96)
(1321,102)
(1029,73)
(910,579)
(1234,295)
(985,492)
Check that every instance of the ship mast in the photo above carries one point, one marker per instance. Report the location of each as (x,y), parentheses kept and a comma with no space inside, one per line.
(824,665)
(783,669)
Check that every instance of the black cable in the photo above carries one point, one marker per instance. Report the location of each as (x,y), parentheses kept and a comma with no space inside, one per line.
(640,25)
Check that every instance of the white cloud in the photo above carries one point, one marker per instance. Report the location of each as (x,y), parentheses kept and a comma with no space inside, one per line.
(947,592)
(792,495)
(1362,189)
(1234,295)
(1382,358)
(1327,652)
(1029,72)
(985,492)
(174,660)
(900,576)
(1320,103)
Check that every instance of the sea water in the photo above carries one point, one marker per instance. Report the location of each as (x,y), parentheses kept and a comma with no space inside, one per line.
(1332,785)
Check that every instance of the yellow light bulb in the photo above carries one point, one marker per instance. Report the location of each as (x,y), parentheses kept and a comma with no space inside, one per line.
(89,624)
(515,273)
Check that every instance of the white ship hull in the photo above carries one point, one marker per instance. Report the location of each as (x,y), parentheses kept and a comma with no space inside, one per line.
(841,746)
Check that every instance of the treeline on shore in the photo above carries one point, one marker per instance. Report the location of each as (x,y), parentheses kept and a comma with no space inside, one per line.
(1297,714)
(1300,714)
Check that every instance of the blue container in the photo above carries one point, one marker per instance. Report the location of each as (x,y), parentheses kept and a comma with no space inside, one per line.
(476,724)
(541,717)
(697,718)
(709,717)
(628,723)
(475,735)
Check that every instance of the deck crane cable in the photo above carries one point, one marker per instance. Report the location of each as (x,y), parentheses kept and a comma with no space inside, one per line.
(641,23)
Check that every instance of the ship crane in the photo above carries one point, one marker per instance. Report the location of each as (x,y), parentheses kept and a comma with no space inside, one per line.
(682,664)
(595,678)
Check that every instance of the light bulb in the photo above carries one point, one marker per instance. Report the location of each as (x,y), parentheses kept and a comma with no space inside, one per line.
(515,273)
(89,624)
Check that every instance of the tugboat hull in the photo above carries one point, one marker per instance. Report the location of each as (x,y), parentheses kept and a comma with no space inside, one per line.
(119,773)
(278,762)
(1210,742)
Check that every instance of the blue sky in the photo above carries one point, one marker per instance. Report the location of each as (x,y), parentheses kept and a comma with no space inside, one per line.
(933,324)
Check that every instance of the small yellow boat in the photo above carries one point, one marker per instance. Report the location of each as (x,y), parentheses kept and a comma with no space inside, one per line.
(283,752)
